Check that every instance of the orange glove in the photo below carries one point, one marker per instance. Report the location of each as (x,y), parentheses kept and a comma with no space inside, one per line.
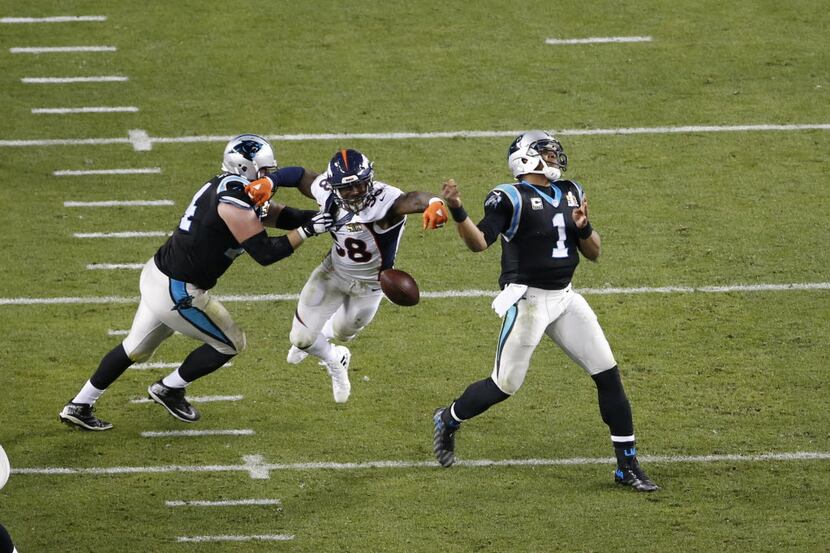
(260,191)
(435,215)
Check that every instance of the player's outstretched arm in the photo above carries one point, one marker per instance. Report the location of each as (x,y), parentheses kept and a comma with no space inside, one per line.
(433,208)
(411,202)
(469,232)
(247,229)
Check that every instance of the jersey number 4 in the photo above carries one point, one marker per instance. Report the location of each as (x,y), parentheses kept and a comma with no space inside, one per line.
(184,224)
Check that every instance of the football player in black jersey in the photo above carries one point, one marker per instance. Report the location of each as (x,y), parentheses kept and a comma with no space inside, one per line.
(543,224)
(226,218)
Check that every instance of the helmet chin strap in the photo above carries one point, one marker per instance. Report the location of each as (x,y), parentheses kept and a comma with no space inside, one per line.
(552,173)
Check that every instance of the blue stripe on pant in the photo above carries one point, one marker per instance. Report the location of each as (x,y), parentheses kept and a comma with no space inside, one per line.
(194,315)
(506,329)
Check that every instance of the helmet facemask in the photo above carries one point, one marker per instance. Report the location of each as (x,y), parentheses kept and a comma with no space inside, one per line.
(353,195)
(527,156)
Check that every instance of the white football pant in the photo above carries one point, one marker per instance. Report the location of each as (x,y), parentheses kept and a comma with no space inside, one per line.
(566,318)
(353,304)
(199,316)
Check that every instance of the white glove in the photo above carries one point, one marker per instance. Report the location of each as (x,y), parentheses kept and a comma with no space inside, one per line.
(318,224)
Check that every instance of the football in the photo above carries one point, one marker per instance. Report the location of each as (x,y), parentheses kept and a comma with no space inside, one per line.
(399,287)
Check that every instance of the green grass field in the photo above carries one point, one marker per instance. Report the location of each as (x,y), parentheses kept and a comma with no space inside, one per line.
(728,386)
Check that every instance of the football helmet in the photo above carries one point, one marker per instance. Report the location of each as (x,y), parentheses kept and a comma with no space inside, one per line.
(249,156)
(525,155)
(351,177)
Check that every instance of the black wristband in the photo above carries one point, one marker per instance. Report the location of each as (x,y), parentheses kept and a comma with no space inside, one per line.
(459,214)
(585,232)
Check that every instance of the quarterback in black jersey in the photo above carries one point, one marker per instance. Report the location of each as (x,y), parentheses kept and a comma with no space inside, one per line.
(543,224)
(226,218)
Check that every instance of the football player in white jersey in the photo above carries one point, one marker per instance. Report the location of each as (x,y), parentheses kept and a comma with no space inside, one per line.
(343,294)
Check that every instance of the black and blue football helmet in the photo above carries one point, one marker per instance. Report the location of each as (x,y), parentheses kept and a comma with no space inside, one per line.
(351,177)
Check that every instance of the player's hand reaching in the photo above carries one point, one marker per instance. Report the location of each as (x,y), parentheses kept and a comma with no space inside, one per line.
(449,189)
(260,191)
(318,224)
(435,215)
(580,214)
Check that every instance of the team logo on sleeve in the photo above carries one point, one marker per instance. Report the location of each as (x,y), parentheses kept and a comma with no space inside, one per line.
(571,199)
(494,199)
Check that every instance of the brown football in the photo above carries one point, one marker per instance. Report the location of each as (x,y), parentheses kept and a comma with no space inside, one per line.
(399,287)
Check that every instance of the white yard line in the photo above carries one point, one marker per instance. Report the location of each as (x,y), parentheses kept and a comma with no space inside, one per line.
(124,332)
(598,40)
(255,537)
(92,109)
(400,464)
(141,141)
(226,503)
(56,19)
(116,203)
(114,266)
(194,399)
(797,286)
(163,365)
(124,234)
(60,49)
(85,172)
(191,433)
(67,80)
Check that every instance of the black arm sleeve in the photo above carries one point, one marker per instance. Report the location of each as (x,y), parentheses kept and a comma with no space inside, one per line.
(497,213)
(267,249)
(291,217)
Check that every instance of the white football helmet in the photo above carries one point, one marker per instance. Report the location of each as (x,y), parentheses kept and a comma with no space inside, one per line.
(525,155)
(249,156)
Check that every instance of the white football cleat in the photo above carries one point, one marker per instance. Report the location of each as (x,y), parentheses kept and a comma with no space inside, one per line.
(295,355)
(339,372)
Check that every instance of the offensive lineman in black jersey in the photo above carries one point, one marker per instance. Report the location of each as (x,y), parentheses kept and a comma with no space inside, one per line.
(226,218)
(543,224)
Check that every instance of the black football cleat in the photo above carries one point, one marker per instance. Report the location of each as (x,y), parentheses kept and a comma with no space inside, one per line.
(629,473)
(174,401)
(82,415)
(443,439)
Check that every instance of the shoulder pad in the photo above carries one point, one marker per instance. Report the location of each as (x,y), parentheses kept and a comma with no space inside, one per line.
(231,189)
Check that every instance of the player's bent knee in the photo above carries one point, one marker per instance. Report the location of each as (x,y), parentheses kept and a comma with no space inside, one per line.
(346,334)
(301,338)
(237,345)
(507,385)
(138,353)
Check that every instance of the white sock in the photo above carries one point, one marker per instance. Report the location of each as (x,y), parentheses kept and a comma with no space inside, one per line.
(174,380)
(323,349)
(89,394)
(328,329)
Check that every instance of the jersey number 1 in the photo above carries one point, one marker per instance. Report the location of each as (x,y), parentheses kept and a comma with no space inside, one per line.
(560,250)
